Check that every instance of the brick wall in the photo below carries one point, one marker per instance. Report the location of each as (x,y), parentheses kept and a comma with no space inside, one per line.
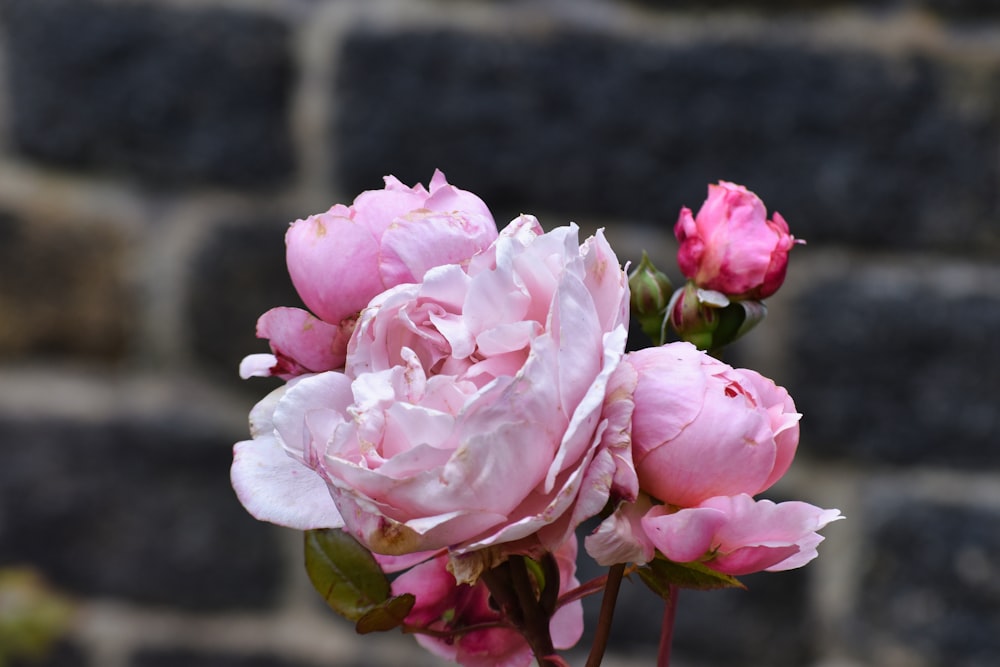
(153,151)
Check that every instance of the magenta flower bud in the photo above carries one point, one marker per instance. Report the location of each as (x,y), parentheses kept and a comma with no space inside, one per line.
(731,246)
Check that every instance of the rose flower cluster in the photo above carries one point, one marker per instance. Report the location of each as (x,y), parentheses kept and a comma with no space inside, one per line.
(458,398)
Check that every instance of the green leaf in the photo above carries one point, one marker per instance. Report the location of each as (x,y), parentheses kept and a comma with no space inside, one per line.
(345,573)
(386,616)
(661,573)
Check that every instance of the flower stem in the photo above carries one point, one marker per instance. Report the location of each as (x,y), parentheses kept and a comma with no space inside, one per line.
(614,581)
(595,585)
(536,622)
(667,630)
(512,589)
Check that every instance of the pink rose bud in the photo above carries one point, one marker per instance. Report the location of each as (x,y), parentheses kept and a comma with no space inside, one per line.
(340,259)
(731,246)
(737,535)
(701,428)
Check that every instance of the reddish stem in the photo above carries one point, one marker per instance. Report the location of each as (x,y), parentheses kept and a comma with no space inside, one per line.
(667,629)
(595,585)
(614,581)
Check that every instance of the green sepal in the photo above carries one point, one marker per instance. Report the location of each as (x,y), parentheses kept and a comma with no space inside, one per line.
(660,574)
(548,583)
(386,616)
(736,319)
(345,573)
(649,294)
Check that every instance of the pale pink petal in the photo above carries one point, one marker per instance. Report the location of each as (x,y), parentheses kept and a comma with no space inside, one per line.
(326,257)
(672,376)
(605,281)
(784,423)
(446,198)
(326,392)
(747,560)
(621,538)
(685,535)
(275,487)
(257,365)
(376,210)
(584,419)
(302,343)
(421,240)
(566,624)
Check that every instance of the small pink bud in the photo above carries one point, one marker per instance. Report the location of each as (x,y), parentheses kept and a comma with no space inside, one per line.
(731,246)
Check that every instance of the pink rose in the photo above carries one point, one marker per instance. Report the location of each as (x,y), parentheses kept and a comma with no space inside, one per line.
(730,534)
(731,246)
(470,412)
(444,605)
(701,428)
(341,259)
(737,535)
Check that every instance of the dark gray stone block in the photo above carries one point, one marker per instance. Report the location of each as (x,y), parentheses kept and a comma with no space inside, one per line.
(187,658)
(62,654)
(755,5)
(930,582)
(960,9)
(133,508)
(848,146)
(899,372)
(237,275)
(768,625)
(164,95)
(64,290)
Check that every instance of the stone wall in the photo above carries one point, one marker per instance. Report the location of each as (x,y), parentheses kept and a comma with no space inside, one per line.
(152,153)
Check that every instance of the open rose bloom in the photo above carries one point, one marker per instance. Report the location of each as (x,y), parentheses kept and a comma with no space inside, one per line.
(706,438)
(459,400)
(469,410)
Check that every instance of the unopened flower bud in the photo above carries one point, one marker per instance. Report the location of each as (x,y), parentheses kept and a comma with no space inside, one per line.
(709,320)
(693,321)
(731,246)
(650,293)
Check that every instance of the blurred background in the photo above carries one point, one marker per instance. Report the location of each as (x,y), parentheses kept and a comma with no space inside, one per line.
(152,153)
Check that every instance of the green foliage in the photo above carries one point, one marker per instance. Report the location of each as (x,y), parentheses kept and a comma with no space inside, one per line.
(661,573)
(387,615)
(352,582)
(650,291)
(32,616)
